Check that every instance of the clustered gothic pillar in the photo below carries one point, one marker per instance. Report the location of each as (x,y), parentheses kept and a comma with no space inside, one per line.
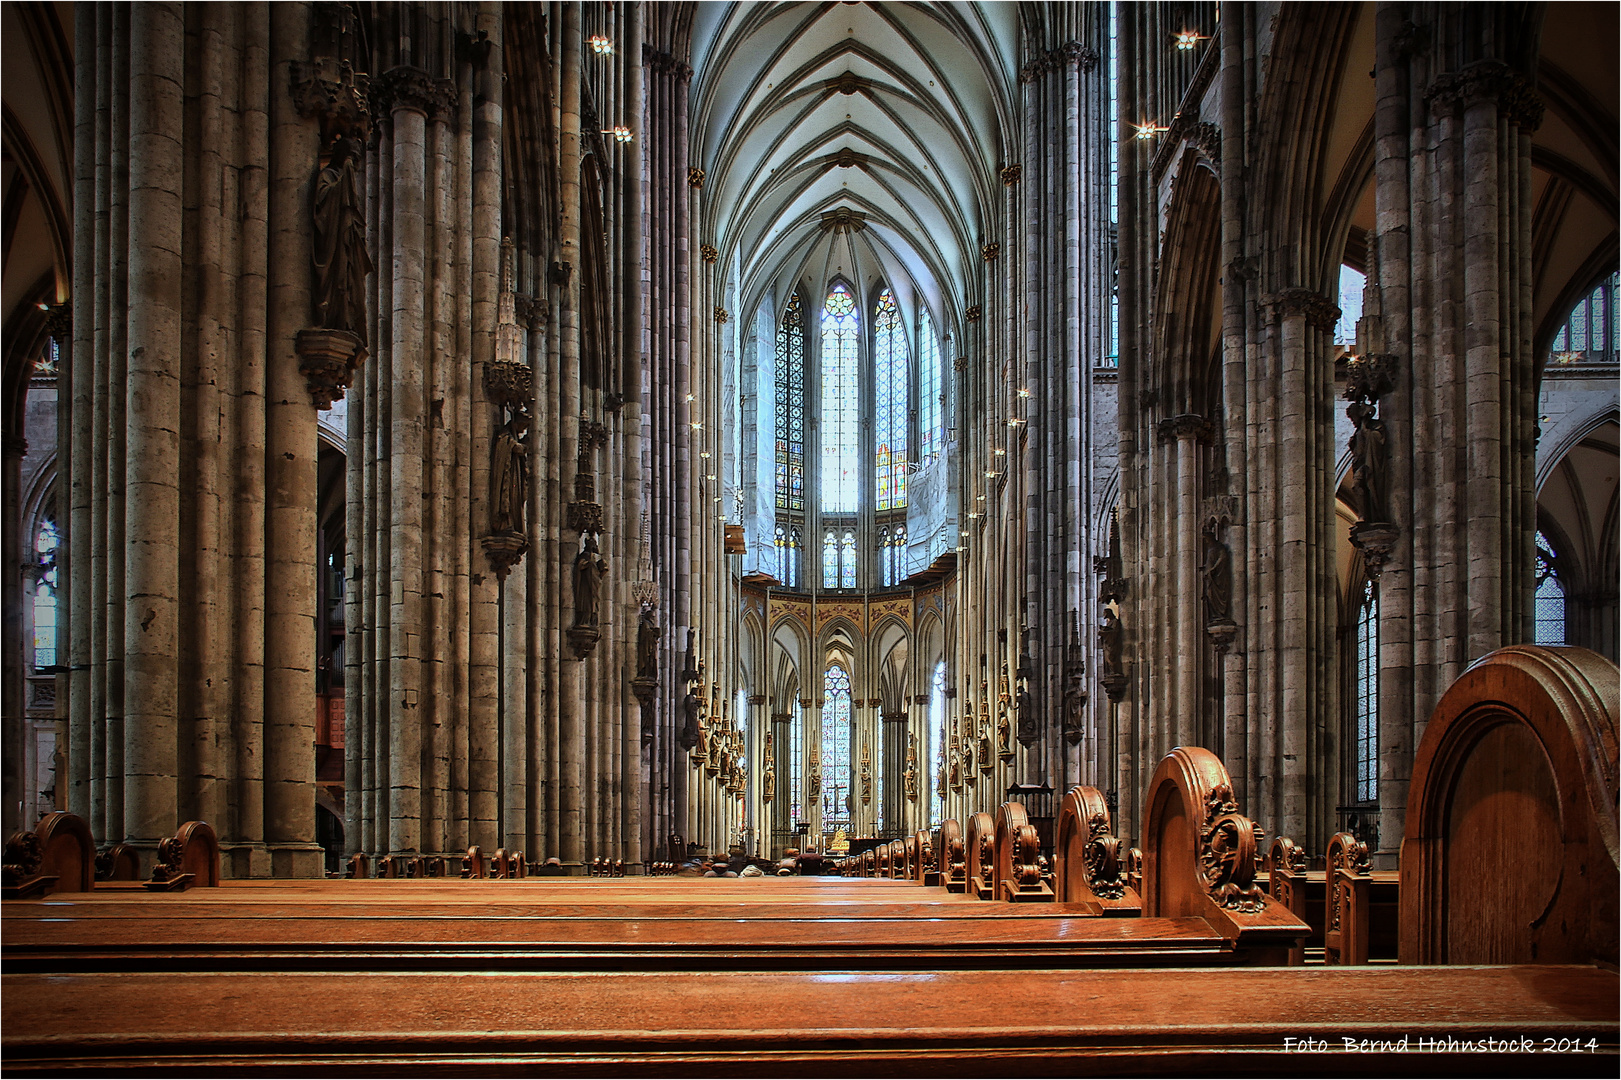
(191,479)
(1059,196)
(1449,314)
(1228,484)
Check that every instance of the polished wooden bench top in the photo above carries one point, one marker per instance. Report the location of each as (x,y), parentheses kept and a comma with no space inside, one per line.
(606,924)
(795,1022)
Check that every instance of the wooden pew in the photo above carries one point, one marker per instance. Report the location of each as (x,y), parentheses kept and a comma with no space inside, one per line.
(1201,856)
(67,852)
(980,844)
(953,853)
(1510,847)
(926,867)
(190,858)
(1219,1023)
(1286,883)
(1360,909)
(1020,867)
(1090,860)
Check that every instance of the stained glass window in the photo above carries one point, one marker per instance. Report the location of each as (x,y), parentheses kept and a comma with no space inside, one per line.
(45,543)
(847,561)
(1593,331)
(786,545)
(830,561)
(1367,696)
(1550,597)
(796,766)
(892,382)
(836,725)
(841,403)
(937,738)
(790,462)
(930,403)
(891,554)
(46,595)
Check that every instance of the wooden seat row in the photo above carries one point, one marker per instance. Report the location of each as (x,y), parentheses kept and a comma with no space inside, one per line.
(60,855)
(1035,1022)
(1523,745)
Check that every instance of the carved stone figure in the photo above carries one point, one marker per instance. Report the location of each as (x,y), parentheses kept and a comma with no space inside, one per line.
(509,473)
(589,570)
(1218,576)
(1028,729)
(1111,636)
(1004,733)
(1368,448)
(341,260)
(689,721)
(647,646)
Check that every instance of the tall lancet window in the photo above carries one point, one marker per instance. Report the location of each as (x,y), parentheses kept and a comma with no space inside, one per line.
(836,722)
(1550,597)
(930,403)
(1367,695)
(796,766)
(841,403)
(790,459)
(892,379)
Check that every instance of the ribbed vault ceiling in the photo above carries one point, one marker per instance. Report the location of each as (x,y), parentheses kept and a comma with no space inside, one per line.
(855,138)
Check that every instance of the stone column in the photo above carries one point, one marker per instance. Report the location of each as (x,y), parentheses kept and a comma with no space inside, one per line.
(290,445)
(152,509)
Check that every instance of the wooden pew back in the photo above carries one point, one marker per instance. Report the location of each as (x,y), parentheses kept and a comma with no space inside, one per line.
(1091,860)
(1510,847)
(980,844)
(67,852)
(1201,856)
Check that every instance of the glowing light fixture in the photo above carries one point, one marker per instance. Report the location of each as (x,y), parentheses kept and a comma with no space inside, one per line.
(620,132)
(1024,391)
(1188,40)
(1149,130)
(601,45)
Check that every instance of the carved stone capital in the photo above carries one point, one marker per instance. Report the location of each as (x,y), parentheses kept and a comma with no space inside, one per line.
(582,640)
(972,314)
(1186,426)
(1011,174)
(1221,634)
(1376,540)
(509,384)
(710,254)
(695,176)
(330,90)
(756,699)
(1318,310)
(1207,137)
(327,359)
(407,87)
(1114,685)
(1488,81)
(59,324)
(1371,377)
(592,435)
(504,549)
(583,517)
(991,251)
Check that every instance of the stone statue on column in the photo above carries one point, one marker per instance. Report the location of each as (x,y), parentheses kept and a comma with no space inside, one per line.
(647,646)
(1368,457)
(1218,576)
(341,260)
(509,473)
(589,570)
